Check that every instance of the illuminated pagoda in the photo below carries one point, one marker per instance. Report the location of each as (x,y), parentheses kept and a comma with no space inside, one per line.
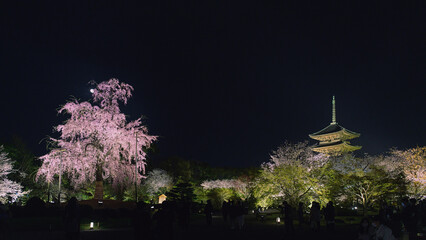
(333,139)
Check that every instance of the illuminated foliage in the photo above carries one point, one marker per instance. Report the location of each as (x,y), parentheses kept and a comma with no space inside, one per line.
(412,163)
(158,182)
(299,154)
(183,191)
(264,192)
(240,187)
(26,166)
(366,181)
(9,190)
(97,141)
(292,174)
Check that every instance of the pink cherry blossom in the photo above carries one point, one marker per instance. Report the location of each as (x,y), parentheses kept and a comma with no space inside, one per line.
(98,137)
(9,190)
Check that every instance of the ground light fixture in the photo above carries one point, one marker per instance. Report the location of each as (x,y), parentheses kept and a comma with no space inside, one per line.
(91,225)
(278,220)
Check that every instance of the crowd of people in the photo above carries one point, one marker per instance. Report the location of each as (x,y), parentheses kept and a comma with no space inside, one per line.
(233,214)
(392,222)
(389,224)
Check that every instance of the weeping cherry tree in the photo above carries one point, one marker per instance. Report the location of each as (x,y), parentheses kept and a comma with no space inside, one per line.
(97,143)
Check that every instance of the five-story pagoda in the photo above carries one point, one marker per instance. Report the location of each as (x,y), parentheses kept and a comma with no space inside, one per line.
(334,138)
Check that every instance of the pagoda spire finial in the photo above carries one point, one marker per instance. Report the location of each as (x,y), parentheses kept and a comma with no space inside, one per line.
(333,118)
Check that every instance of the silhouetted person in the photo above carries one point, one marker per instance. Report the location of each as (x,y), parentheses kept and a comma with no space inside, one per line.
(208,209)
(288,218)
(300,214)
(258,215)
(382,232)
(395,222)
(315,216)
(165,218)
(384,212)
(183,215)
(329,215)
(35,207)
(225,211)
(422,211)
(410,218)
(142,222)
(233,213)
(72,219)
(365,230)
(3,218)
(239,208)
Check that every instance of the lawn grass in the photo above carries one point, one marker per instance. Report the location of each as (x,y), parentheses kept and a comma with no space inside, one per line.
(34,224)
(56,223)
(110,223)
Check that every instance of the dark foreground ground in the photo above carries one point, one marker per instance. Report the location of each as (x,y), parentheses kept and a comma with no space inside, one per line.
(253,229)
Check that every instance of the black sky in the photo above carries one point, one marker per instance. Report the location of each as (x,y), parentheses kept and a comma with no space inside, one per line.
(224,82)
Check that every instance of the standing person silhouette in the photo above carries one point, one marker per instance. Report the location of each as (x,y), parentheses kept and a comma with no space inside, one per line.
(232,208)
(72,219)
(225,211)
(288,218)
(365,230)
(208,209)
(315,216)
(382,232)
(142,222)
(300,215)
(240,215)
(165,218)
(329,215)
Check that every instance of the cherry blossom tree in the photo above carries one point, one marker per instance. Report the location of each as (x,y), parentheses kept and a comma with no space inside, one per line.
(240,187)
(9,190)
(158,181)
(412,163)
(97,143)
(366,180)
(293,173)
(296,154)
(212,184)
(225,189)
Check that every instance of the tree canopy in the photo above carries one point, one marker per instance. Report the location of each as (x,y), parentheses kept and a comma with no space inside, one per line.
(9,190)
(97,139)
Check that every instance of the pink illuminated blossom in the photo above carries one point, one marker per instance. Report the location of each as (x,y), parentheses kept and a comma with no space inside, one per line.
(98,137)
(412,162)
(241,187)
(158,181)
(9,190)
(296,154)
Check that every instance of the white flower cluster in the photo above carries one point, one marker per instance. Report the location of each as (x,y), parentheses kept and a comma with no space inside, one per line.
(225,183)
(296,154)
(9,190)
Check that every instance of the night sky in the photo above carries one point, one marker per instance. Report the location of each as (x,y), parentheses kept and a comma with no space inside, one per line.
(223,82)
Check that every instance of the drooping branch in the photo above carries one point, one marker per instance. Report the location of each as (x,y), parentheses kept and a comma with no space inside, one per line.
(98,136)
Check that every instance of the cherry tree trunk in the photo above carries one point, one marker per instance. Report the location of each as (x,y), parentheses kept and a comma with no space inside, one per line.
(99,185)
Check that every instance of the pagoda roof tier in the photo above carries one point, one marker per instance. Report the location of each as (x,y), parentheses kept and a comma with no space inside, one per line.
(334,132)
(334,148)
